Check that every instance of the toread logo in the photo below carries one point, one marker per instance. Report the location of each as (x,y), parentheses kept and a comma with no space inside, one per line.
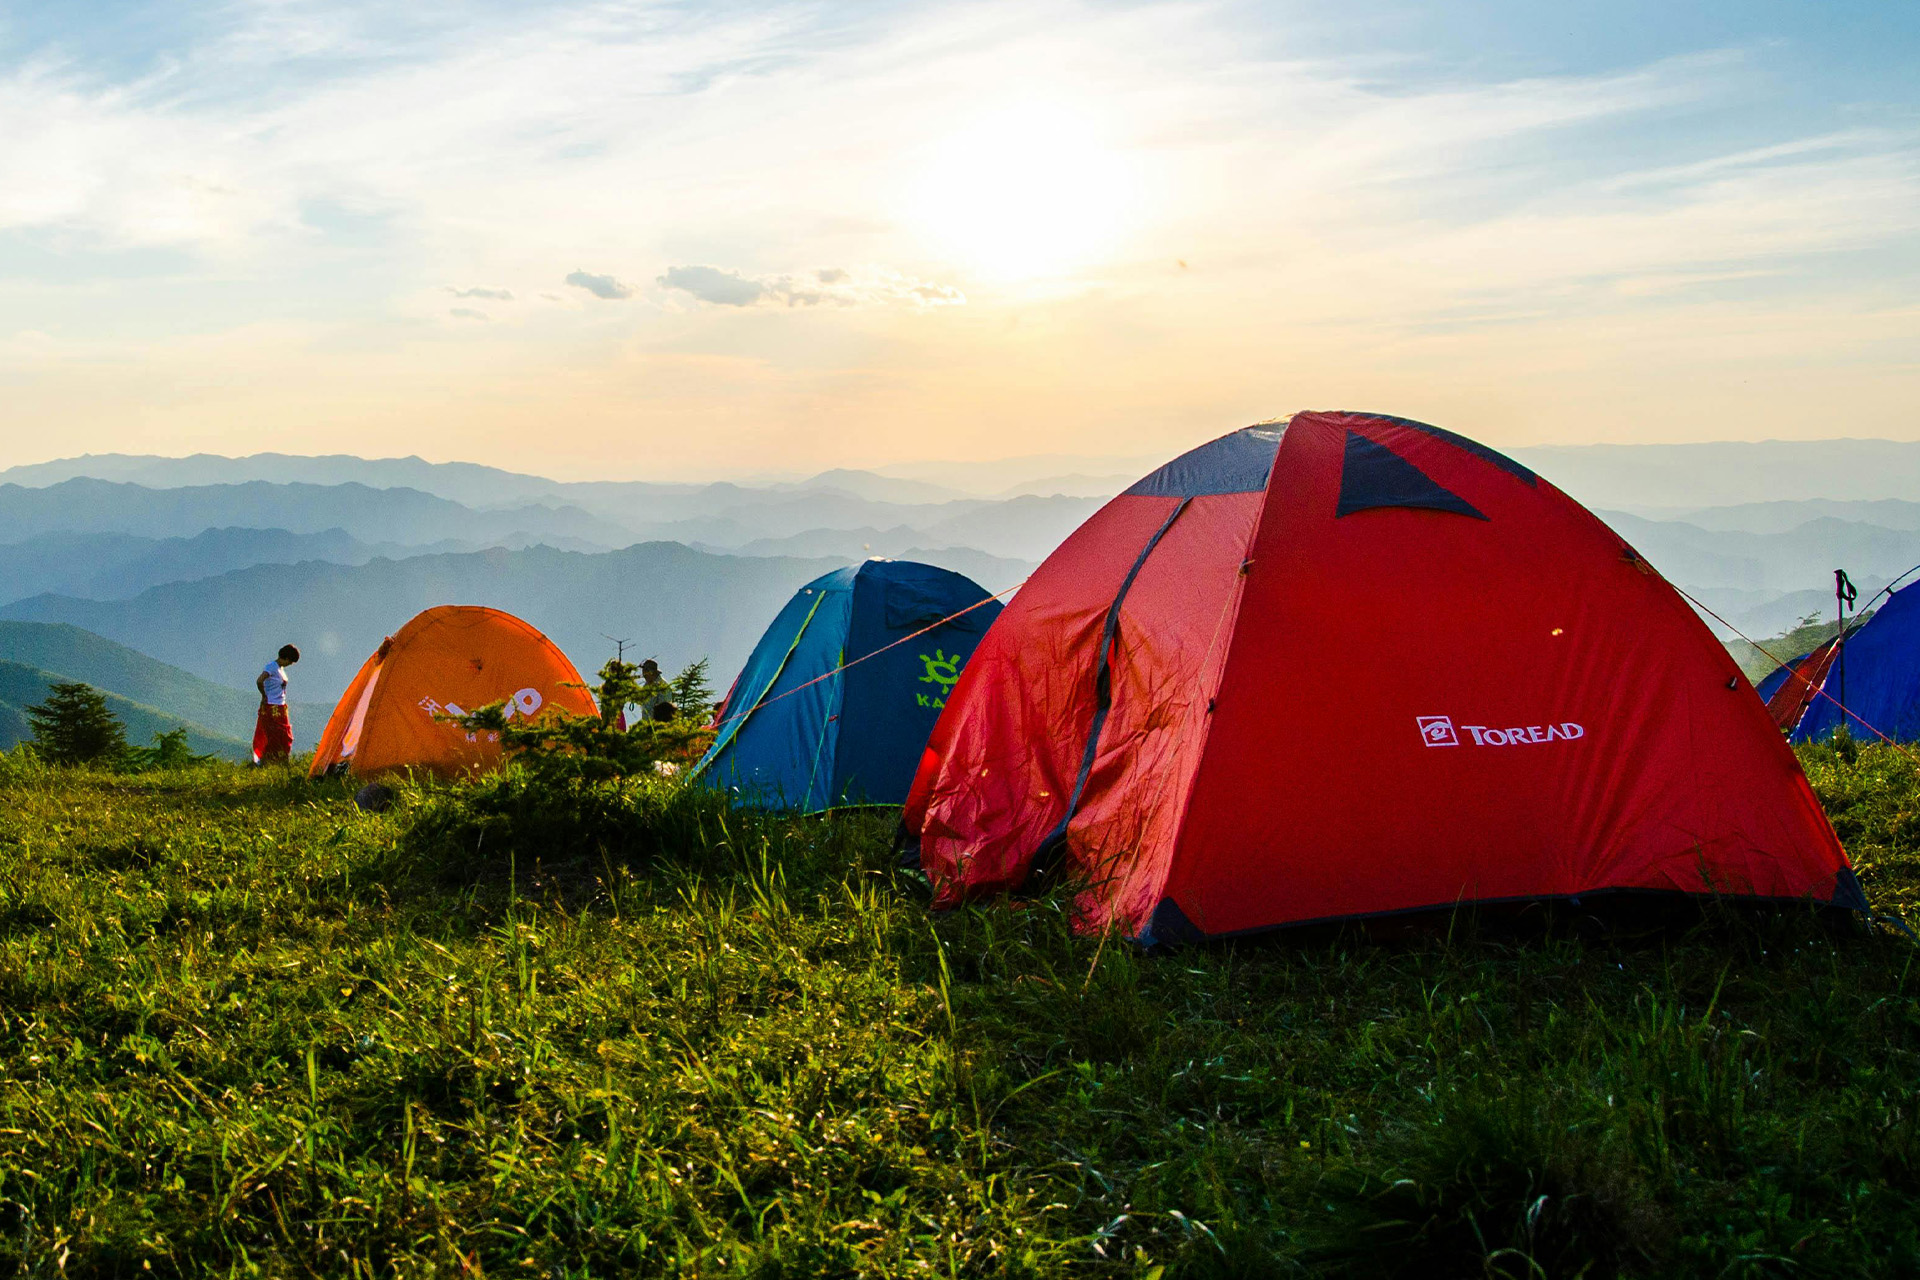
(1438,731)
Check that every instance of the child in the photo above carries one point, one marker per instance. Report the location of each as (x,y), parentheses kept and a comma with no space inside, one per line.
(273,728)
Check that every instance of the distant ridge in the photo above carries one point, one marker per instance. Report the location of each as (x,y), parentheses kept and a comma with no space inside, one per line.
(467,482)
(369,514)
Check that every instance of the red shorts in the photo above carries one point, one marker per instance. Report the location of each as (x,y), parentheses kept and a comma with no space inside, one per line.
(272,735)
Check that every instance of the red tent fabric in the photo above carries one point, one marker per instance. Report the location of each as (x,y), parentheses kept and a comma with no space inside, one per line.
(1347,665)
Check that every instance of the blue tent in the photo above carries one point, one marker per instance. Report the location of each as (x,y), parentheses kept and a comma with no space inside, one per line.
(833,708)
(1876,675)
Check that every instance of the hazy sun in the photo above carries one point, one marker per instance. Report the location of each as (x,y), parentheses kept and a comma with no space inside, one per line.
(1030,189)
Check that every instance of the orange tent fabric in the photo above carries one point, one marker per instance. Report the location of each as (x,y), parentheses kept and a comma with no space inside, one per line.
(446,661)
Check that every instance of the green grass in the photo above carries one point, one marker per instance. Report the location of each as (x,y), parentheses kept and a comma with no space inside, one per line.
(246,1029)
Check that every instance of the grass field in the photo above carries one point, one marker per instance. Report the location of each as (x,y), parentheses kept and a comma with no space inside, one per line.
(245,1029)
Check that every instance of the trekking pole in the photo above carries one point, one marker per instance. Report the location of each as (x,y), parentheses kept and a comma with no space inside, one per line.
(1844,594)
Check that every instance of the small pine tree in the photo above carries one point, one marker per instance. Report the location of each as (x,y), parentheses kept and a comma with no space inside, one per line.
(74,726)
(692,695)
(170,750)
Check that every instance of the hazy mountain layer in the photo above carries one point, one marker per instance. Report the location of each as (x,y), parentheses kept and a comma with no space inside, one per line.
(371,515)
(1692,476)
(116,566)
(481,486)
(1780,517)
(668,600)
(1024,528)
(1758,526)
(1801,558)
(108,566)
(463,482)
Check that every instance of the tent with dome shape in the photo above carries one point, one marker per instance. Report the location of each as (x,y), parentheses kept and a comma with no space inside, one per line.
(1348,665)
(837,699)
(445,662)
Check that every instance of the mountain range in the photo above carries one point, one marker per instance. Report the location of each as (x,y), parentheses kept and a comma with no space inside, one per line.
(211,563)
(113,566)
(665,599)
(376,515)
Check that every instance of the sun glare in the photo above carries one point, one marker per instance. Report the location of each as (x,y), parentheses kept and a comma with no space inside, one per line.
(1032,189)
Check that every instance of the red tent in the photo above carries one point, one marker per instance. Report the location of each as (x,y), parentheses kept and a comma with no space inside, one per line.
(1348,665)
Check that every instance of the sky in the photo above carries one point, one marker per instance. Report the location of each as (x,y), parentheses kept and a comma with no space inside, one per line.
(674,241)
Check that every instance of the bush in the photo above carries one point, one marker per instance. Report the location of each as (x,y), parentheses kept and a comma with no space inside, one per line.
(559,746)
(532,815)
(169,751)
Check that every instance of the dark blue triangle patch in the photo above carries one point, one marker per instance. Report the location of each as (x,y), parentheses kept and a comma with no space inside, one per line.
(1473,447)
(1375,476)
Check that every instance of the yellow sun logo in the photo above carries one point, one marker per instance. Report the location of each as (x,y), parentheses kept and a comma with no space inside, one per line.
(941,670)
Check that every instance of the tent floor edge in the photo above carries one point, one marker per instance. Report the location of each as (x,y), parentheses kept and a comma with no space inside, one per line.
(1169,926)
(1848,893)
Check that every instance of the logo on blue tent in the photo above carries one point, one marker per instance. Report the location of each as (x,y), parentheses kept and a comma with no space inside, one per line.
(943,671)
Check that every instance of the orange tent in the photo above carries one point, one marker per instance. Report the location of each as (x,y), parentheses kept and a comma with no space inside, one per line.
(446,661)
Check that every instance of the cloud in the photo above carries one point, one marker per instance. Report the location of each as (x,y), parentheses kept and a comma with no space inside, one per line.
(468,313)
(710,284)
(1415,230)
(491,295)
(828,287)
(600,286)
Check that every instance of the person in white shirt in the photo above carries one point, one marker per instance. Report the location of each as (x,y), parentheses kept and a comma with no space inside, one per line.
(273,727)
(656,695)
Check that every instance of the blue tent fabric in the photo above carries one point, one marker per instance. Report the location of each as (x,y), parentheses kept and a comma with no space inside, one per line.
(1373,476)
(1879,666)
(1236,463)
(854,737)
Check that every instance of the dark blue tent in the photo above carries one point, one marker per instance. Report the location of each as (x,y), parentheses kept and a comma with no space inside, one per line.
(833,709)
(1876,675)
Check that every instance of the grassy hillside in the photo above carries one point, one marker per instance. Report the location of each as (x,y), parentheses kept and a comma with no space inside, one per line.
(245,1028)
(22,686)
(218,709)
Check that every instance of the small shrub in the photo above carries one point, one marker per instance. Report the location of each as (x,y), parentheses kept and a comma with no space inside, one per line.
(169,751)
(560,746)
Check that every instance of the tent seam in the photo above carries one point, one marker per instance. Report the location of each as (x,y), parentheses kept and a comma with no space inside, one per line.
(1045,853)
(713,752)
